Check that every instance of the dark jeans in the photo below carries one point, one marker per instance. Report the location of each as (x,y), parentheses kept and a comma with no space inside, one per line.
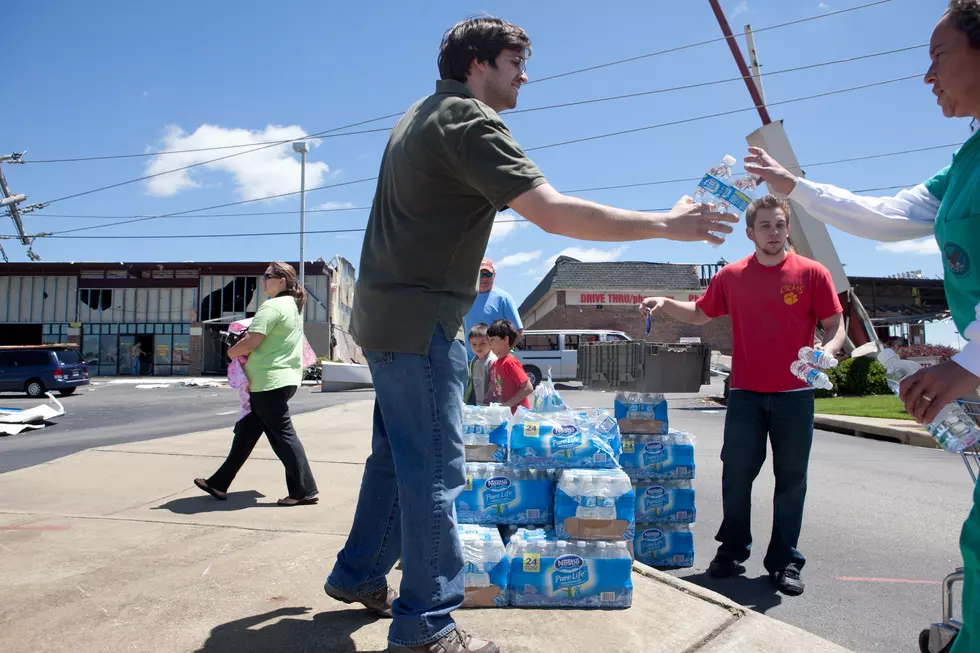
(414,474)
(785,418)
(270,415)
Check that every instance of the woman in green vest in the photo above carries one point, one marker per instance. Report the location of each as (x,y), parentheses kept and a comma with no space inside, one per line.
(948,207)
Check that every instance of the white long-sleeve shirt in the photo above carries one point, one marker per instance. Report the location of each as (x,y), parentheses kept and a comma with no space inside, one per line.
(908,215)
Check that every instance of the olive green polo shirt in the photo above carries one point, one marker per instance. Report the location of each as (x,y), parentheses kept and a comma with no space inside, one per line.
(450,165)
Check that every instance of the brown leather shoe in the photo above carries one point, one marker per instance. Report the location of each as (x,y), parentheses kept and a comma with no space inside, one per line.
(455,642)
(378,602)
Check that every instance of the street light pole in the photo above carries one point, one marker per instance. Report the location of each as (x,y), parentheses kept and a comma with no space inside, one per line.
(303,147)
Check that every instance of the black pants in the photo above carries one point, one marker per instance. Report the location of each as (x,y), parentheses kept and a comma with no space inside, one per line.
(787,419)
(270,415)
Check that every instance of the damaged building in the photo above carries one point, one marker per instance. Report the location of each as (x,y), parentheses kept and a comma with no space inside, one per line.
(174,312)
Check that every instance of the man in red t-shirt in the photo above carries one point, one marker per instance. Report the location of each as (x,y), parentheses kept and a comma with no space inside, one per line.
(775,299)
(509,385)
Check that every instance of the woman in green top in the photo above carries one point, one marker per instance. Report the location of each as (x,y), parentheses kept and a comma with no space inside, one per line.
(274,350)
(948,207)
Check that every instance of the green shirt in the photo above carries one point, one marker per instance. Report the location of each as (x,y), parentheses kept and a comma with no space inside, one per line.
(450,165)
(278,360)
(957,186)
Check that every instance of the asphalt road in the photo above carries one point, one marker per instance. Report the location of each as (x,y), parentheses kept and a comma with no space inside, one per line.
(101,415)
(880,530)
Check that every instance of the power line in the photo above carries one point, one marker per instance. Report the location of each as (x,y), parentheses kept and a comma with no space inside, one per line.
(716,82)
(720,114)
(543,79)
(194,165)
(708,42)
(331,231)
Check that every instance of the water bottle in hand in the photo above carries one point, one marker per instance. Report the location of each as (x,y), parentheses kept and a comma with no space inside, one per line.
(806,372)
(819,359)
(716,187)
(953,429)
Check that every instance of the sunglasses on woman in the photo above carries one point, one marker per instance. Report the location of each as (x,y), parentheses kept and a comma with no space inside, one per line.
(271,276)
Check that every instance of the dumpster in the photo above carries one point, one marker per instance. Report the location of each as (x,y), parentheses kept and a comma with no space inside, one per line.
(641,366)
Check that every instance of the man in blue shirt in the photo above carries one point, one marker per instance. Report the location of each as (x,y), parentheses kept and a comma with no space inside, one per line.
(491,304)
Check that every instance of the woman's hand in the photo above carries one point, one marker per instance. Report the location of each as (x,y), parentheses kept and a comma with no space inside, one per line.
(931,389)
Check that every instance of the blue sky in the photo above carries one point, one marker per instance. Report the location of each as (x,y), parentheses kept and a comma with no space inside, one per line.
(137,77)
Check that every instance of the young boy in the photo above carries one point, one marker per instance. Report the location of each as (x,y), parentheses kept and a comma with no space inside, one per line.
(509,385)
(477,390)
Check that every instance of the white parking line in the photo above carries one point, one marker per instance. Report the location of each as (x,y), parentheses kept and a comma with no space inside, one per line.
(227,412)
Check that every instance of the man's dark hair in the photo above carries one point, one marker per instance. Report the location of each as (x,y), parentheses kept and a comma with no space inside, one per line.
(479,330)
(965,15)
(481,39)
(767,202)
(503,329)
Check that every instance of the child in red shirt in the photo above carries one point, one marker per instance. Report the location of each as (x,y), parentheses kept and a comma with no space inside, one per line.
(509,385)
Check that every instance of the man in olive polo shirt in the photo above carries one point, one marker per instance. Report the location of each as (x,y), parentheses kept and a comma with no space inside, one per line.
(450,165)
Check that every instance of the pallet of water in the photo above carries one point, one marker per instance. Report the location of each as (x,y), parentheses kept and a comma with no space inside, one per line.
(594,505)
(499,494)
(486,434)
(664,545)
(549,572)
(641,412)
(664,502)
(564,440)
(487,566)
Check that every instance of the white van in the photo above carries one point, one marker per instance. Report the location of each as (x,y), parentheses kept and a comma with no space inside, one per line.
(540,350)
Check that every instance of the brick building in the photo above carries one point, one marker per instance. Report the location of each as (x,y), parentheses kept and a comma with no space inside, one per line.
(577,295)
(173,311)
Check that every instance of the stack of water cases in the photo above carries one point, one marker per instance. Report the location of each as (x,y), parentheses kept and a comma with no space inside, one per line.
(660,464)
(557,512)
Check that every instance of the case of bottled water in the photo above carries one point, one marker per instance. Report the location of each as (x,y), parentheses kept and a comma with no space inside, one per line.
(499,494)
(649,456)
(545,572)
(665,502)
(641,412)
(564,440)
(487,566)
(594,505)
(664,545)
(486,433)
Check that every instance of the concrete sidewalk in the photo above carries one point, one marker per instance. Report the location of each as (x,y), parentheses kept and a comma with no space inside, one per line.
(896,430)
(113,549)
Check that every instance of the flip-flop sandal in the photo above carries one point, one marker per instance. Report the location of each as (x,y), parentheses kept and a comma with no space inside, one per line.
(217,494)
(289,501)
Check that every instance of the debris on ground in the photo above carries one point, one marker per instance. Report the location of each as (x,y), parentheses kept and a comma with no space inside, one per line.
(18,420)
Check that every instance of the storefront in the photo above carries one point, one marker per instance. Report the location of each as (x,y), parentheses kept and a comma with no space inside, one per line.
(147,319)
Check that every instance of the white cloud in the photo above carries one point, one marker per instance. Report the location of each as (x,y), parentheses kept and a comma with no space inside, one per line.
(740,8)
(519,258)
(823,5)
(590,255)
(503,229)
(925,246)
(268,171)
(334,206)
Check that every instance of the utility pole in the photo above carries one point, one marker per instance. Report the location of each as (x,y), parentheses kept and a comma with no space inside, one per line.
(754,62)
(10,200)
(808,236)
(303,148)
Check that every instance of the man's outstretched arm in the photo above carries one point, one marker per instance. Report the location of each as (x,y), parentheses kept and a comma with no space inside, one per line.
(577,218)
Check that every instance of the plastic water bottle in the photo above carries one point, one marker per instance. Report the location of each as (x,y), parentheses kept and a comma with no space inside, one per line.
(806,372)
(717,187)
(819,359)
(953,429)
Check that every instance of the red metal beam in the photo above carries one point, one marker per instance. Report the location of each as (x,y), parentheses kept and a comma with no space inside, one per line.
(743,68)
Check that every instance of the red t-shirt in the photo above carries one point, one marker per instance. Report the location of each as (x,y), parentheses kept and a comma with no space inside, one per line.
(774,312)
(506,377)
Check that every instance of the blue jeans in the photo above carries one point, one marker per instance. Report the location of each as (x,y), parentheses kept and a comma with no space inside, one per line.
(785,418)
(411,480)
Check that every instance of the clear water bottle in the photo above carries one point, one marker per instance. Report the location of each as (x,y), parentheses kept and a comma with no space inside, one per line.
(953,429)
(806,372)
(819,359)
(716,186)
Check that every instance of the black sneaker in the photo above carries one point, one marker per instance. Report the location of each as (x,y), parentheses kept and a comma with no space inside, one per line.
(787,580)
(724,567)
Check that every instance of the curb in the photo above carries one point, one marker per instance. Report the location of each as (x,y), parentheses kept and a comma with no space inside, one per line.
(912,436)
